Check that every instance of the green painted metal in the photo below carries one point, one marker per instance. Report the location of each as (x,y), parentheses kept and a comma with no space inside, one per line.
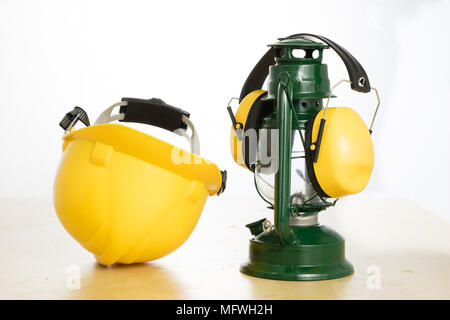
(308,81)
(318,253)
(308,76)
(304,110)
(298,86)
(283,175)
(298,42)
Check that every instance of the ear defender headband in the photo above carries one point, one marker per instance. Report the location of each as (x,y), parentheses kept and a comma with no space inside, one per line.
(337,171)
(358,77)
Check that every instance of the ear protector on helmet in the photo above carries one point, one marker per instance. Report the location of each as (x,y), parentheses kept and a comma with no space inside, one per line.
(127,196)
(346,150)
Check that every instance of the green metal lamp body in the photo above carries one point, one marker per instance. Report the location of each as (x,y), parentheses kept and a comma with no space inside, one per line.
(297,87)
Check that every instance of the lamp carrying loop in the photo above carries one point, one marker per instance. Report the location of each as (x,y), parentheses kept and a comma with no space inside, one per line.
(267,226)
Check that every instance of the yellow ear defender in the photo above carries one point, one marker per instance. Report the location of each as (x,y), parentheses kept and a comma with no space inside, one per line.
(345,146)
(346,150)
(124,195)
(248,116)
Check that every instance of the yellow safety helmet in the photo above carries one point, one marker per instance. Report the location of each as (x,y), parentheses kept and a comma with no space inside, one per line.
(346,150)
(126,196)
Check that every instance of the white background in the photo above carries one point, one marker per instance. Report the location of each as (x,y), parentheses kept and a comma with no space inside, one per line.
(196,55)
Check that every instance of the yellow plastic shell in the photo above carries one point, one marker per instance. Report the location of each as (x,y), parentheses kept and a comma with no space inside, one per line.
(129,197)
(346,153)
(236,146)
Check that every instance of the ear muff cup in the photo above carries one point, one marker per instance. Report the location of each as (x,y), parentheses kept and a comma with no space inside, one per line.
(346,156)
(250,114)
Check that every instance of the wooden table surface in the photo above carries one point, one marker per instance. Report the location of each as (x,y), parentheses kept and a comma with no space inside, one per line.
(405,246)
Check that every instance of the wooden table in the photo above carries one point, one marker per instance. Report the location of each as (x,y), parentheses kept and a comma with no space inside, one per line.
(403,245)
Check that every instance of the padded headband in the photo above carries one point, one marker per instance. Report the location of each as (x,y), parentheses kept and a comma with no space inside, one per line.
(358,77)
(154,112)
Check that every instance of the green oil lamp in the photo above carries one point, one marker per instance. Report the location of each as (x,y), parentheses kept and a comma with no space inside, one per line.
(304,156)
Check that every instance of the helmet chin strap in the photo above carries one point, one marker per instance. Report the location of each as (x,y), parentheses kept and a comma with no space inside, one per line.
(107,116)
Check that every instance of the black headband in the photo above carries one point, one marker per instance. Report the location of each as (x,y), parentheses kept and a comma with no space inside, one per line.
(154,112)
(358,77)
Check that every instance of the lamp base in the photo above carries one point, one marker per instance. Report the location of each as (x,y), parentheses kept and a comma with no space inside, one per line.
(318,253)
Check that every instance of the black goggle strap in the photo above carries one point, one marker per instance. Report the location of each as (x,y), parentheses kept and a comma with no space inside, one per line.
(154,112)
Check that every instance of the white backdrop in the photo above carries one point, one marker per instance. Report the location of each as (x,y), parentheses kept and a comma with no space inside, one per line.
(196,55)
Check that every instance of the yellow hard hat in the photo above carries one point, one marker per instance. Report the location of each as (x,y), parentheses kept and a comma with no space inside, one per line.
(126,196)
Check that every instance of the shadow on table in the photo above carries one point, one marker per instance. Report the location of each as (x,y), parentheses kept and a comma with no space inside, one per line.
(136,281)
(298,290)
(390,274)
